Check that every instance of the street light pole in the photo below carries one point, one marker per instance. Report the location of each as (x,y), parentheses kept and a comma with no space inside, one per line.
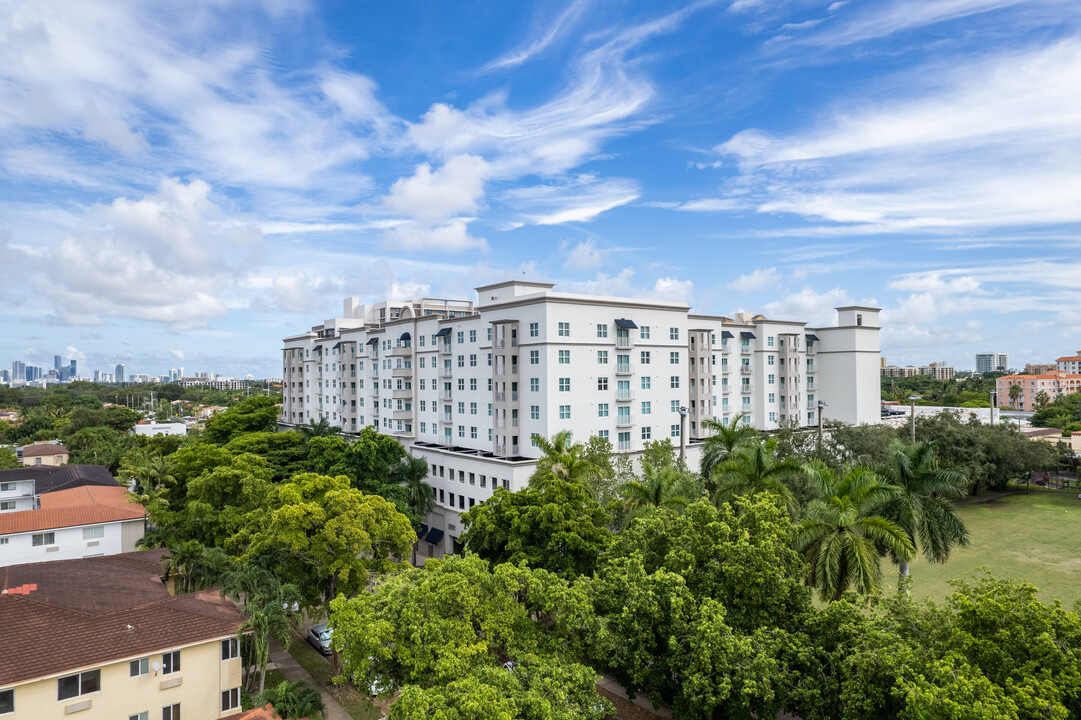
(683,438)
(821,407)
(992,401)
(912,419)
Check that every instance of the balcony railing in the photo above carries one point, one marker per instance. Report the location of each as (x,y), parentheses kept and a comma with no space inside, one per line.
(624,445)
(501,397)
(745,388)
(624,395)
(624,421)
(725,389)
(745,370)
(624,342)
(446,373)
(624,368)
(745,349)
(446,394)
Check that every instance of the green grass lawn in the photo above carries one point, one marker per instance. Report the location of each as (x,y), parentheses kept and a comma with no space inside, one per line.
(1036,538)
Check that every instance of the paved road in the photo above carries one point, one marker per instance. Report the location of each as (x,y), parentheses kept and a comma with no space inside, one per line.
(292,670)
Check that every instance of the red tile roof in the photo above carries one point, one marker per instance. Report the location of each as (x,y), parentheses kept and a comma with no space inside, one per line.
(263,713)
(92,611)
(115,496)
(1068,358)
(23,521)
(44,449)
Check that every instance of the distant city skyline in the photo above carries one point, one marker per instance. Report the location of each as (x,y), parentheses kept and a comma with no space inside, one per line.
(160,206)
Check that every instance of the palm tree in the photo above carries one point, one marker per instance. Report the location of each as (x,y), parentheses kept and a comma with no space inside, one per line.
(323,428)
(295,699)
(657,488)
(268,612)
(841,532)
(564,460)
(753,469)
(923,507)
(723,439)
(185,559)
(1041,399)
(1015,393)
(410,473)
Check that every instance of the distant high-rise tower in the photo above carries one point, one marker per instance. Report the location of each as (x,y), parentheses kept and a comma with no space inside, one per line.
(58,361)
(991,362)
(74,371)
(120,374)
(18,370)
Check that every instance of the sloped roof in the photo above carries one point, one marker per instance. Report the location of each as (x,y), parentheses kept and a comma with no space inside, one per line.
(71,614)
(115,496)
(69,476)
(44,449)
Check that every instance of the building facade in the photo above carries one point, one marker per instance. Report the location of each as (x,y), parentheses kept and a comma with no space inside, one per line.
(991,362)
(1029,388)
(468,385)
(44,454)
(1069,363)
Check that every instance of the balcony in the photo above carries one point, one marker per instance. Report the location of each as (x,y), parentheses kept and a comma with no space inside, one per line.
(446,420)
(745,370)
(624,445)
(402,394)
(402,351)
(624,368)
(402,372)
(501,397)
(446,394)
(725,389)
(746,389)
(446,372)
(624,396)
(624,421)
(401,415)
(514,396)
(624,342)
(500,344)
(745,349)
(445,348)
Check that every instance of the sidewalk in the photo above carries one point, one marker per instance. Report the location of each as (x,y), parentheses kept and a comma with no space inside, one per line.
(292,670)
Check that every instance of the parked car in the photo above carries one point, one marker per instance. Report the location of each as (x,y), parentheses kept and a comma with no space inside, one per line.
(319,637)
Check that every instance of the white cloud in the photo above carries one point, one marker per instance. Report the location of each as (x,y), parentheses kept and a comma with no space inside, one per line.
(74,354)
(432,197)
(578,199)
(584,256)
(988,144)
(178,354)
(541,39)
(810,306)
(674,290)
(450,237)
(759,279)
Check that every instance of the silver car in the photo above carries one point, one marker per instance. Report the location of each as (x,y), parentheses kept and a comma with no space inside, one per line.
(319,637)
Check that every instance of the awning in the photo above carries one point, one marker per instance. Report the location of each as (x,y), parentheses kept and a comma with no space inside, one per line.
(726,334)
(336,346)
(812,338)
(423,532)
(625,324)
(317,347)
(443,331)
(405,336)
(372,341)
(747,335)
(435,536)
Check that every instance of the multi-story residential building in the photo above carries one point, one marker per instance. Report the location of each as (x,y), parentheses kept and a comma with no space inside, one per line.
(1029,387)
(79,522)
(215,383)
(22,488)
(937,370)
(44,453)
(991,361)
(1069,363)
(102,638)
(468,385)
(1039,369)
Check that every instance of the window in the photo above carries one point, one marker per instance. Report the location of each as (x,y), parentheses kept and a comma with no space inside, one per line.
(769,341)
(673,382)
(769,359)
(772,397)
(602,357)
(564,329)
(673,358)
(230,649)
(647,433)
(770,379)
(78,684)
(489,334)
(773,417)
(675,406)
(564,357)
(472,360)
(646,382)
(461,361)
(564,412)
(171,712)
(602,434)
(564,384)
(602,383)
(461,337)
(646,408)
(602,331)
(461,408)
(534,385)
(7,701)
(673,333)
(139,667)
(645,357)
(534,412)
(473,434)
(534,357)
(643,332)
(94,533)
(144,715)
(230,699)
(472,383)
(472,336)
(675,431)
(40,539)
(170,662)
(602,410)
(534,329)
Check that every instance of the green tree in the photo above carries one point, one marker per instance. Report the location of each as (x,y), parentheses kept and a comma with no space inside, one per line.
(8,459)
(1015,394)
(255,414)
(293,699)
(1042,399)
(555,524)
(332,538)
(722,439)
(314,429)
(218,502)
(411,474)
(664,487)
(923,507)
(841,533)
(565,460)
(286,453)
(266,614)
(756,468)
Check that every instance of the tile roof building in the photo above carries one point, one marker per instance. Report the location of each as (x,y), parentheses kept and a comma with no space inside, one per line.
(44,454)
(1029,387)
(79,522)
(20,488)
(103,637)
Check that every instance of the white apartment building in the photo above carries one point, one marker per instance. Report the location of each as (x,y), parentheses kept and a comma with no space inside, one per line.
(991,361)
(467,385)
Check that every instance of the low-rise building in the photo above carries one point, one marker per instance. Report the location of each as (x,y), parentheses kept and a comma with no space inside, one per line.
(44,453)
(103,638)
(1027,395)
(150,428)
(81,522)
(21,488)
(1069,363)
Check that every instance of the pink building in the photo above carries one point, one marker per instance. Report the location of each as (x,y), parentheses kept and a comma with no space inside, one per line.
(1054,383)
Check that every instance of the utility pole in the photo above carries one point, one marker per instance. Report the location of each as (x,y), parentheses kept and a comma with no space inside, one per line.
(821,407)
(912,409)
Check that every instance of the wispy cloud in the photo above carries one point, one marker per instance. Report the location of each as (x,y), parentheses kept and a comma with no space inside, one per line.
(545,34)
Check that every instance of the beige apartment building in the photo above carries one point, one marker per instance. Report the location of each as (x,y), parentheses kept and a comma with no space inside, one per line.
(1053,384)
(101,639)
(45,454)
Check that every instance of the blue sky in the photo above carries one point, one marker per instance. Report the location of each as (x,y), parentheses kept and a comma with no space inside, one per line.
(186,187)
